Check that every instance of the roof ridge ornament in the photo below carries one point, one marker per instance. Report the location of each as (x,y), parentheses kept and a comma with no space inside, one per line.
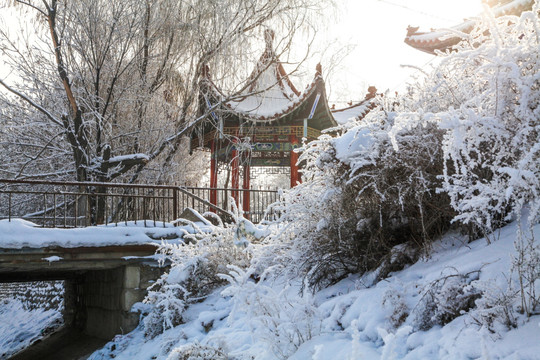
(269,54)
(318,70)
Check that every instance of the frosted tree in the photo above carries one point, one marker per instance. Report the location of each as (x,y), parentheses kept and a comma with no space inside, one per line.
(485,97)
(100,90)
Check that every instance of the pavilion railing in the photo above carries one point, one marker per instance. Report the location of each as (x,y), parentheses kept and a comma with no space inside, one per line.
(81,204)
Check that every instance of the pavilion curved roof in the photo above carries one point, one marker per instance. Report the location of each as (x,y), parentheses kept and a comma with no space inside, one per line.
(268,101)
(443,39)
(270,95)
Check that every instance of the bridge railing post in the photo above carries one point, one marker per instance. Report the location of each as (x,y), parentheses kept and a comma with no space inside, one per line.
(175,203)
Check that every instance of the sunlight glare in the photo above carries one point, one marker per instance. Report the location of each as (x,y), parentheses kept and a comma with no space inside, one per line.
(378,28)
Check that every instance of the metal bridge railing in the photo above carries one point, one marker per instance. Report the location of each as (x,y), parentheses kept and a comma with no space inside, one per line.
(81,204)
(259,200)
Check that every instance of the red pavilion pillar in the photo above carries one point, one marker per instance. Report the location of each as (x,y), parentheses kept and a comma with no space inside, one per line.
(245,186)
(213,174)
(235,176)
(295,176)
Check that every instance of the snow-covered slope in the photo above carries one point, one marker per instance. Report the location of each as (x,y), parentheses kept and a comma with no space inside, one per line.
(395,318)
(20,326)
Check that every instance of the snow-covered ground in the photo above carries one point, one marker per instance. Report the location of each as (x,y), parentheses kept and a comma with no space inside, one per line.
(396,318)
(357,319)
(20,326)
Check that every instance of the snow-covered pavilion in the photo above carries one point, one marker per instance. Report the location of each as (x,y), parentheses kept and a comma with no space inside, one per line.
(444,39)
(263,125)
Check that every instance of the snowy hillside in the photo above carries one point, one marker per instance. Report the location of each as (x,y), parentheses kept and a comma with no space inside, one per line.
(354,319)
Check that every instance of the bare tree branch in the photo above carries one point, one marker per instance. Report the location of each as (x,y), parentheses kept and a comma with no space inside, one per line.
(32,103)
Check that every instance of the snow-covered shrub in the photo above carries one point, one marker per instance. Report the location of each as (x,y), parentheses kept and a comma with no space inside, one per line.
(526,265)
(396,304)
(194,271)
(360,198)
(394,343)
(486,99)
(196,351)
(500,305)
(445,299)
(398,257)
(283,319)
(495,306)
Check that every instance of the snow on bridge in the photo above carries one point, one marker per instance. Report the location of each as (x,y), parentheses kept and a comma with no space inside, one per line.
(106,269)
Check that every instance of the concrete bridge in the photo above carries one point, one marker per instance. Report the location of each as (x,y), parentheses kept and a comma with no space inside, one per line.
(101,283)
(106,268)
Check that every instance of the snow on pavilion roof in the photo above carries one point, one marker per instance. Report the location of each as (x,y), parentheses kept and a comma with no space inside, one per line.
(444,39)
(270,92)
(270,95)
(356,111)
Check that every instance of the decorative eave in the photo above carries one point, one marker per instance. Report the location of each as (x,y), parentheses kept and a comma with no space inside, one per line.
(445,39)
(357,111)
(269,94)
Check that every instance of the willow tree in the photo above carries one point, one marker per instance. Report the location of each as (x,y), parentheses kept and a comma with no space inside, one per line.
(101,90)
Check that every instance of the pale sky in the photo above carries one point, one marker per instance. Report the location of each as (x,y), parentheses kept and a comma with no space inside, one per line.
(378,28)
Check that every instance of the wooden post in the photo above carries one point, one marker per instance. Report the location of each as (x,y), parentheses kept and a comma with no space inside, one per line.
(295,176)
(245,186)
(213,175)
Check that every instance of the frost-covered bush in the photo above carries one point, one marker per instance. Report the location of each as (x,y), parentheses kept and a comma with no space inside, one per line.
(486,99)
(500,305)
(397,258)
(194,272)
(445,299)
(360,198)
(196,351)
(281,318)
(394,301)
(495,307)
(526,266)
